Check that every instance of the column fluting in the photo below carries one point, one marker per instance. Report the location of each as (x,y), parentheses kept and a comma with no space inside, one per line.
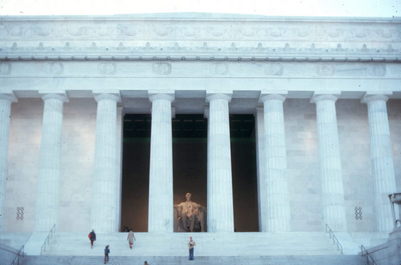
(261,168)
(220,216)
(5,113)
(161,165)
(277,200)
(47,203)
(381,157)
(106,166)
(330,163)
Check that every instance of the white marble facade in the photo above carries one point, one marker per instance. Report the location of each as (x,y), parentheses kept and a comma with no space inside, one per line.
(321,151)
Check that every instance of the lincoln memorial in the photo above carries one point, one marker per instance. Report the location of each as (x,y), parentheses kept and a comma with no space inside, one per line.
(275,126)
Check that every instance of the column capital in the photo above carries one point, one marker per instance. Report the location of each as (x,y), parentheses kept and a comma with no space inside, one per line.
(57,95)
(108,96)
(161,96)
(8,96)
(374,97)
(265,97)
(214,96)
(318,97)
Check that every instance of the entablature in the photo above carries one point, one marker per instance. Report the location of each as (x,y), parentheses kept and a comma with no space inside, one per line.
(200,53)
(208,37)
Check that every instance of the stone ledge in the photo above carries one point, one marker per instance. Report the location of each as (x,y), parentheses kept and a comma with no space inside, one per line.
(203,54)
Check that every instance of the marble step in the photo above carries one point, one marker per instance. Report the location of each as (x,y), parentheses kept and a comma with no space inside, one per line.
(155,260)
(208,244)
(14,240)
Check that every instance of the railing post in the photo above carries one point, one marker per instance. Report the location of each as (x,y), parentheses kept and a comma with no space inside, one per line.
(19,254)
(48,238)
(369,258)
(333,237)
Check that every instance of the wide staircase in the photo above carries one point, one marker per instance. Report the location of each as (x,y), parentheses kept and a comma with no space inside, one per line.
(295,248)
(207,244)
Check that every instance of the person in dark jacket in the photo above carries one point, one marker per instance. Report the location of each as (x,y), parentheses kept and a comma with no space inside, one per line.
(92,237)
(106,254)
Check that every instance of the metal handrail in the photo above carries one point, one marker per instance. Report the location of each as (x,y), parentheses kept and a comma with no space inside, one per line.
(19,254)
(48,239)
(369,258)
(334,239)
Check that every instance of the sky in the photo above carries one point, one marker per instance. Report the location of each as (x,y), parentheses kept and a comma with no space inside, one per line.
(347,8)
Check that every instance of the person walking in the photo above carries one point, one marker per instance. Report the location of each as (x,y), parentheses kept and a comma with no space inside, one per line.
(106,254)
(92,237)
(131,238)
(191,246)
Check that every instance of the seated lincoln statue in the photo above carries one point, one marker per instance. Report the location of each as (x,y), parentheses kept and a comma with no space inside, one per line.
(189,216)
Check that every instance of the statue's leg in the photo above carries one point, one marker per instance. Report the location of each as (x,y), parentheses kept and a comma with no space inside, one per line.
(183,224)
(197,227)
(187,224)
(192,223)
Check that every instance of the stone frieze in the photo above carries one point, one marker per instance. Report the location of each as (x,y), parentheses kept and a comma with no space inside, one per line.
(208,38)
(262,29)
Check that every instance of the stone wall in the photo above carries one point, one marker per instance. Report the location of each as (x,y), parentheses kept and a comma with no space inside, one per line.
(355,150)
(78,147)
(303,165)
(24,145)
(78,141)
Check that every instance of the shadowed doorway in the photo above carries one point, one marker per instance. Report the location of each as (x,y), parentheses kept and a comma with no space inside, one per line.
(243,161)
(135,182)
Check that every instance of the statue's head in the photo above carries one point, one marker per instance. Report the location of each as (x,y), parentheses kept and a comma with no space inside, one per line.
(188,196)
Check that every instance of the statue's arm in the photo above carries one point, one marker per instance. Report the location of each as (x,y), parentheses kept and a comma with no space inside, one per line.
(178,209)
(175,219)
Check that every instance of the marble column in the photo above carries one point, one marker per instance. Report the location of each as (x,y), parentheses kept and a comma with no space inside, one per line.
(120,124)
(277,212)
(161,165)
(381,156)
(261,168)
(220,216)
(330,163)
(106,179)
(47,202)
(5,113)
